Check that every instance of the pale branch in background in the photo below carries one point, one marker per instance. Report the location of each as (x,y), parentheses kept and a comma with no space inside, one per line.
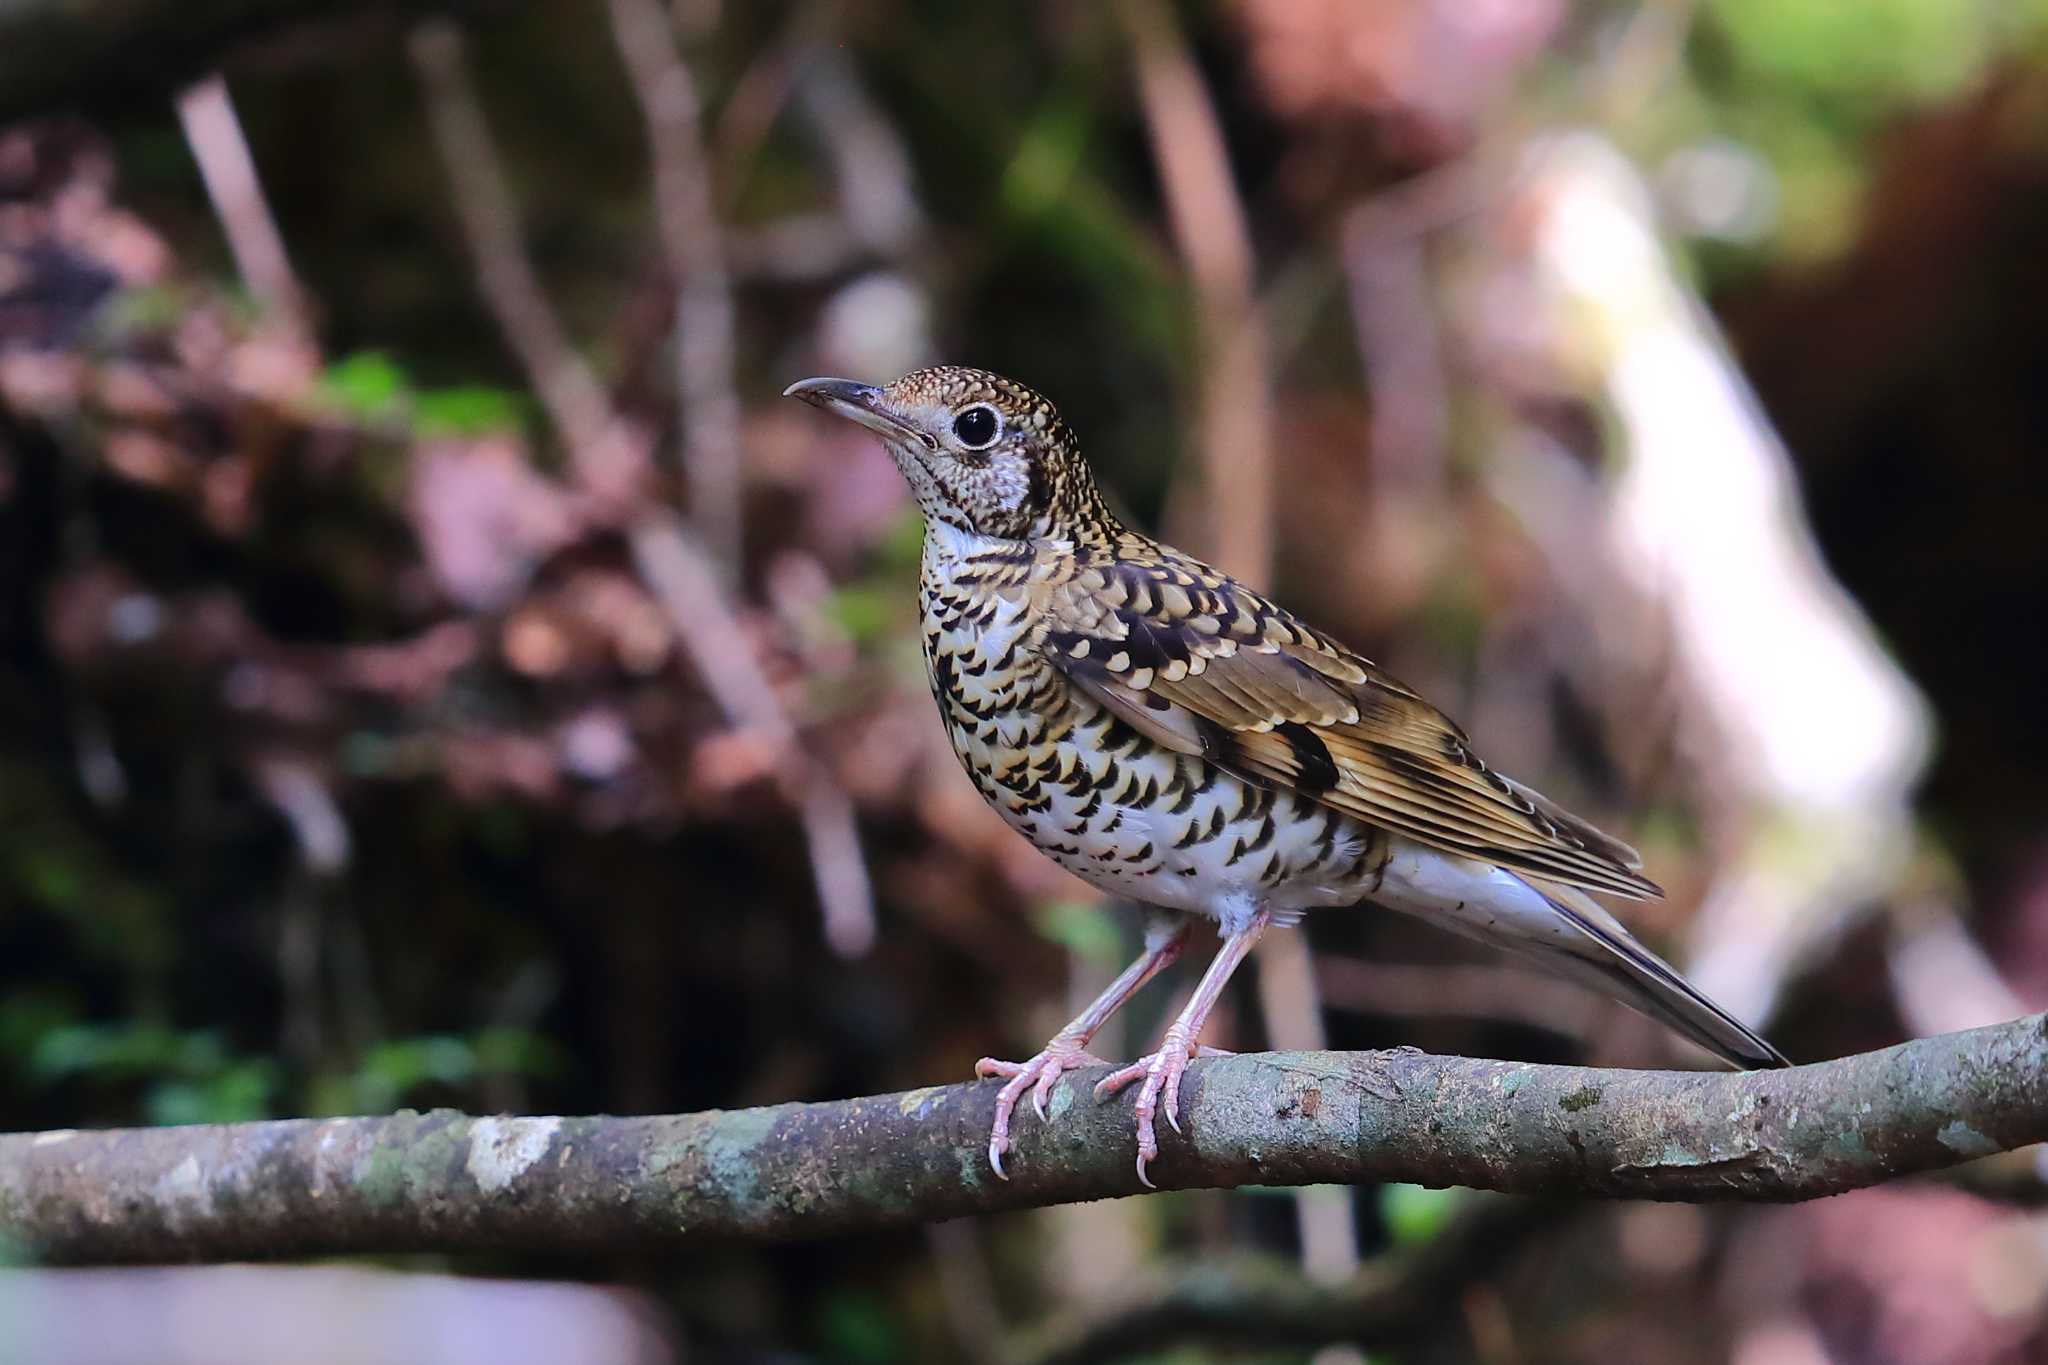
(1215,243)
(1804,731)
(692,247)
(608,459)
(444,1182)
(1291,1002)
(603,454)
(228,168)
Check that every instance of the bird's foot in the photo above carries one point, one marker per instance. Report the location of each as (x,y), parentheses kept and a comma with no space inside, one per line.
(1038,1075)
(1161,1072)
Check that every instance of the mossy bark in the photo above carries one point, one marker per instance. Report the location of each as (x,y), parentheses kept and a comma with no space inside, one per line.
(444,1181)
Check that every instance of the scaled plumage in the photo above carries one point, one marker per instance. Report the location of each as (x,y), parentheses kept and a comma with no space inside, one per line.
(1168,734)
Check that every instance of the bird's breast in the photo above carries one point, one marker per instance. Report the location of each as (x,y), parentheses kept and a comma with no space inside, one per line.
(1108,804)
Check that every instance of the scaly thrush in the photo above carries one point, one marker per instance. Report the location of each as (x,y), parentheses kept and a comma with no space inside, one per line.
(1168,735)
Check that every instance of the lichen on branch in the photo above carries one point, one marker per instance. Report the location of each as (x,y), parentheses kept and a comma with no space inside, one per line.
(444,1181)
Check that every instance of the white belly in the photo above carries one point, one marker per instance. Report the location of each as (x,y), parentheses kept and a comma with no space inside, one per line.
(1189,838)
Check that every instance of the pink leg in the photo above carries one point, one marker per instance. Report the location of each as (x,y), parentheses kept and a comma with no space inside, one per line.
(1067,1051)
(1163,1069)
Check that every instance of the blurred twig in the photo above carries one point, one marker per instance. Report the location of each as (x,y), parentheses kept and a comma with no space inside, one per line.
(1236,426)
(1292,1006)
(1941,976)
(967,1290)
(691,241)
(1386,268)
(874,216)
(603,453)
(227,167)
(608,459)
(1397,1299)
(1645,57)
(445,1182)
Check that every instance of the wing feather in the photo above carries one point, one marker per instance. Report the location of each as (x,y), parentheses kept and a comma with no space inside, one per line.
(1201,664)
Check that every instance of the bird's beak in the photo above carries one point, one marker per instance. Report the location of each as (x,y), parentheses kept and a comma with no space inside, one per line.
(857,402)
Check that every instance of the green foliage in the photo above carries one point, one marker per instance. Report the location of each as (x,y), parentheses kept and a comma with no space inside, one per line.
(187,1076)
(193,1076)
(1414,1213)
(238,1093)
(394,1072)
(468,410)
(30,1013)
(143,308)
(1083,929)
(858,1327)
(865,610)
(1455,616)
(367,385)
(1859,59)
(1810,84)
(52,864)
(873,608)
(371,387)
(1053,197)
(903,545)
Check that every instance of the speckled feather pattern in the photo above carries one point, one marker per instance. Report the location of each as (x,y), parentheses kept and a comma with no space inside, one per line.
(1102,798)
(1064,648)
(1170,735)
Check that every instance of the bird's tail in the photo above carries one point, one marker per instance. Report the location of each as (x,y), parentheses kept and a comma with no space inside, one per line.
(1568,932)
(1612,959)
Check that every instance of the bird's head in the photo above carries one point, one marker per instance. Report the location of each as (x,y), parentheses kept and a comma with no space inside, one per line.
(983,454)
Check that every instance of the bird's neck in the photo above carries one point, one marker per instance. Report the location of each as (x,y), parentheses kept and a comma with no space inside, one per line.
(947,544)
(967,567)
(963,565)
(1077,513)
(1074,526)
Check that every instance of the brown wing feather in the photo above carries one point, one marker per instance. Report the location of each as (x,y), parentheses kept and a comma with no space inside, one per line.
(1199,663)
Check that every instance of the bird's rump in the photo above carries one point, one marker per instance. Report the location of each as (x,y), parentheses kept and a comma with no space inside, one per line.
(1201,664)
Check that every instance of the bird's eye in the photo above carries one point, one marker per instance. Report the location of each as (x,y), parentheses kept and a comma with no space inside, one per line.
(978,427)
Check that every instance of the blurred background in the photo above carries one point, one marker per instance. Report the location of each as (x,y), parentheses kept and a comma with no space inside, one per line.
(436,668)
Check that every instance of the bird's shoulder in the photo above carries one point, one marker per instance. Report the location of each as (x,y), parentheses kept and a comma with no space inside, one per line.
(1143,611)
(1202,663)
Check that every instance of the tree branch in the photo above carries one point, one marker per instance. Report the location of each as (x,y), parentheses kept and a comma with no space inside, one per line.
(443,1182)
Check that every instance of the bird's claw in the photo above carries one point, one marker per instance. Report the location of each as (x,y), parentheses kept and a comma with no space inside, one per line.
(1161,1072)
(1038,1076)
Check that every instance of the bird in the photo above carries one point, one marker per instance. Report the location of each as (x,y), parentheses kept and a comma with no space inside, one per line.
(1174,738)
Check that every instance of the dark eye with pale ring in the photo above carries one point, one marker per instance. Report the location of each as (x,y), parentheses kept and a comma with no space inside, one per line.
(978,427)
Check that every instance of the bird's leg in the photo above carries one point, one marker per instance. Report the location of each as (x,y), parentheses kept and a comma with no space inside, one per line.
(1068,1050)
(1163,1069)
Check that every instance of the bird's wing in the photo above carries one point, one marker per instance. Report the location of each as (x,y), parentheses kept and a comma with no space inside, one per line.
(1203,665)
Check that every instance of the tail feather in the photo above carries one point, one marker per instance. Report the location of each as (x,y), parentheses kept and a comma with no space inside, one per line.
(1567,931)
(1649,985)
